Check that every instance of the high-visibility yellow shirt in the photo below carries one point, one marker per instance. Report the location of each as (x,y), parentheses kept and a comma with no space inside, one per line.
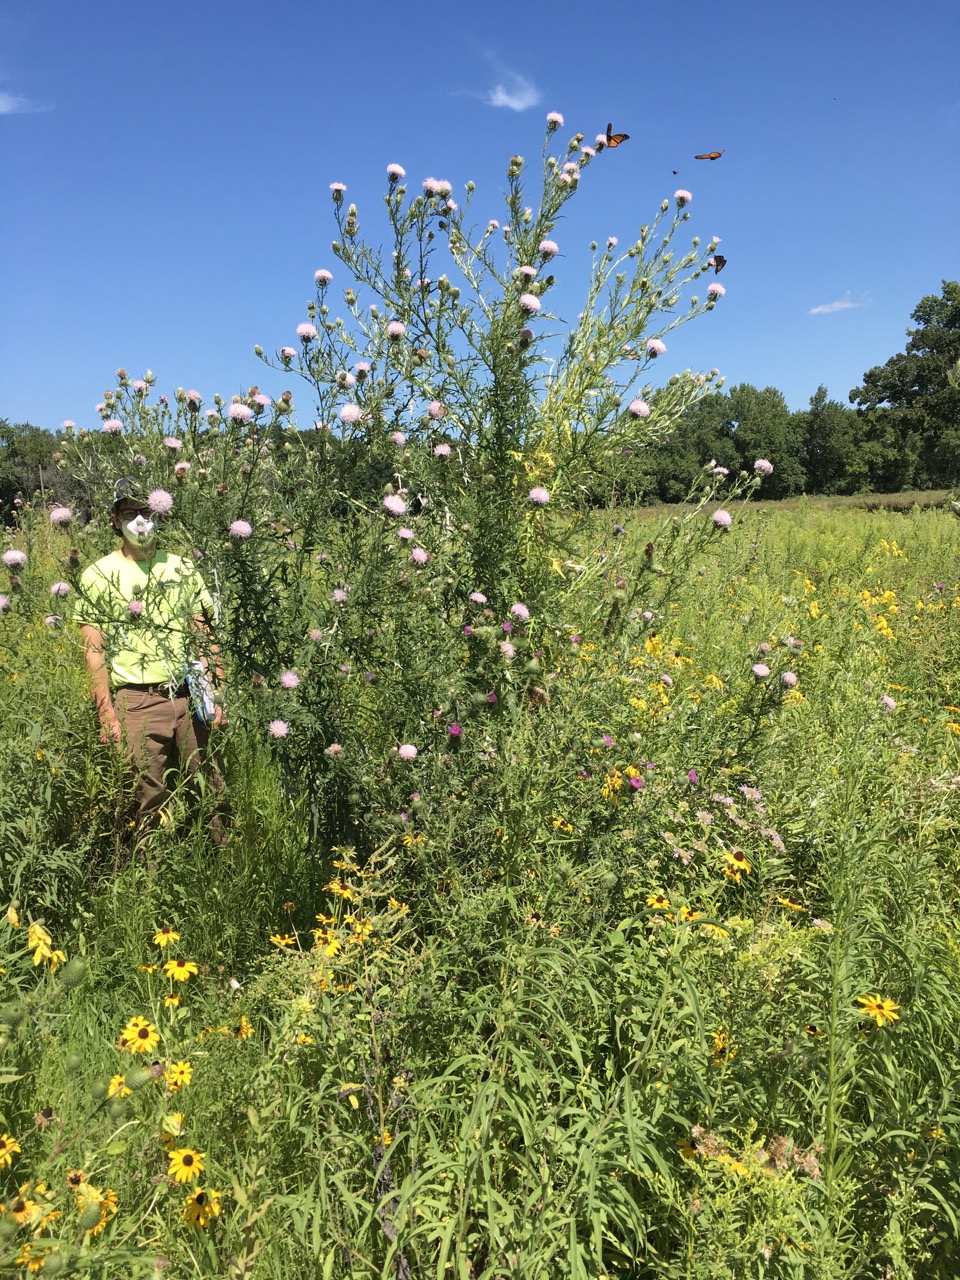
(145,609)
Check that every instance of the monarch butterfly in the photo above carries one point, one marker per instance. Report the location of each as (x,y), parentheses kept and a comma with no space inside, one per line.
(614,139)
(710,155)
(718,262)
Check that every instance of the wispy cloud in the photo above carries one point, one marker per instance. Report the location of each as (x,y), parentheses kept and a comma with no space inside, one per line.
(828,308)
(11,104)
(513,91)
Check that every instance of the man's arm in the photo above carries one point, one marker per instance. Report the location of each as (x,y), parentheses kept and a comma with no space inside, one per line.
(95,657)
(211,660)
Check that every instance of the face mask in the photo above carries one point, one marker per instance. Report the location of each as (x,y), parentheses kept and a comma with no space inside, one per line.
(140,531)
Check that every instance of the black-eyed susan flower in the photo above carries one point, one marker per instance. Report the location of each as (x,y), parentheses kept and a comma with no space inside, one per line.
(883,1010)
(200,1208)
(139,1036)
(23,1209)
(185,1164)
(118,1087)
(171,1002)
(738,860)
(282,939)
(177,1075)
(75,1179)
(163,937)
(9,1147)
(92,1198)
(244,1029)
(790,903)
(659,902)
(180,970)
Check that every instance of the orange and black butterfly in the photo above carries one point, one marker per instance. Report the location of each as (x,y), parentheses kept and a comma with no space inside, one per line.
(718,262)
(710,155)
(614,139)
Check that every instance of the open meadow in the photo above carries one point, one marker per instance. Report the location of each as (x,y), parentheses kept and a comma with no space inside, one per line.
(644,965)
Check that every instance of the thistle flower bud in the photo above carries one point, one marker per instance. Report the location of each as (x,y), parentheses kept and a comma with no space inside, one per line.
(74,973)
(258,350)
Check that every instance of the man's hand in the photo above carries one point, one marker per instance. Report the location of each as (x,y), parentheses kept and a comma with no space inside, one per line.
(219,717)
(111,730)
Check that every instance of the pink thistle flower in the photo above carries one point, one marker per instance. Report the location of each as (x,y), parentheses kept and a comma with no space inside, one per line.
(455,729)
(135,608)
(289,680)
(241,529)
(549,248)
(682,197)
(520,611)
(407,751)
(60,589)
(193,398)
(395,172)
(315,634)
(287,353)
(612,242)
(437,186)
(571,169)
(139,386)
(278,728)
(539,496)
(338,188)
(720,471)
(264,402)
(601,140)
(240,412)
(493,225)
(60,515)
(395,504)
(210,413)
(527,271)
(667,681)
(760,670)
(52,620)
(362,368)
(554,119)
(508,649)
(789,678)
(396,329)
(346,380)
(888,703)
(419,556)
(306,332)
(339,595)
(68,424)
(478,597)
(763,466)
(530,303)
(441,450)
(173,443)
(715,290)
(4,603)
(351,413)
(406,535)
(399,439)
(639,408)
(160,502)
(589,151)
(113,426)
(722,519)
(323,277)
(655,347)
(436,409)
(334,749)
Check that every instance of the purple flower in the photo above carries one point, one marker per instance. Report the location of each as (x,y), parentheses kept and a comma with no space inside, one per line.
(241,529)
(549,248)
(350,413)
(407,751)
(172,442)
(636,783)
(520,611)
(395,172)
(655,347)
(339,595)
(240,412)
(720,471)
(722,519)
(764,467)
(682,197)
(789,678)
(478,597)
(323,277)
(396,329)
(608,741)
(60,515)
(278,728)
(60,589)
(289,680)
(508,627)
(315,634)
(436,409)
(639,408)
(539,496)
(492,698)
(437,186)
(160,502)
(113,426)
(455,729)
(468,630)
(394,504)
(554,119)
(135,608)
(306,332)
(530,303)
(419,556)
(694,779)
(760,670)
(715,290)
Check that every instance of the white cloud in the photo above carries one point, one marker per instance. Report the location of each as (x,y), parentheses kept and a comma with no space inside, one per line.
(11,104)
(828,308)
(513,91)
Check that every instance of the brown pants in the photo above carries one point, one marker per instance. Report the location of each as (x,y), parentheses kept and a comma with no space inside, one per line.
(163,737)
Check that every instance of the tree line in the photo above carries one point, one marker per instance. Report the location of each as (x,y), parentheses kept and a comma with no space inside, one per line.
(901,431)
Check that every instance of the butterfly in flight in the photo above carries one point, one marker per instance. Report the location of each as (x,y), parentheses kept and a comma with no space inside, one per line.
(614,139)
(710,155)
(718,262)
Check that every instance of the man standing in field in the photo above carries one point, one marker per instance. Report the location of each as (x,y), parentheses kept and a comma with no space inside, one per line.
(144,619)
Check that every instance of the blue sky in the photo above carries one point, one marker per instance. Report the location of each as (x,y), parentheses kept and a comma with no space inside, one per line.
(166,170)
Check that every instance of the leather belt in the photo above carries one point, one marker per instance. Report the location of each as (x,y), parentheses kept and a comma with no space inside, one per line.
(168,689)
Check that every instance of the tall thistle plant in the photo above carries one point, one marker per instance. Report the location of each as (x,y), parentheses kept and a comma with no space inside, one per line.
(393,568)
